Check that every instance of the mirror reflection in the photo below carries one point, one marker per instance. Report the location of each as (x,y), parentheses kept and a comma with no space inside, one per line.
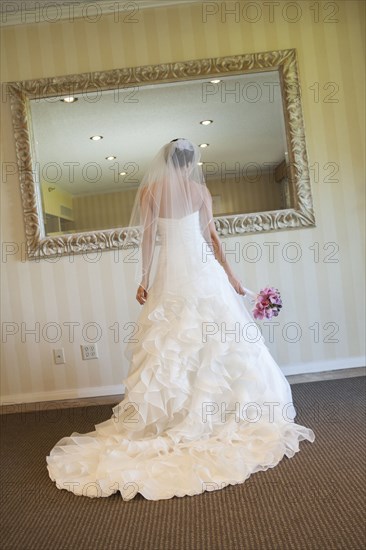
(91,149)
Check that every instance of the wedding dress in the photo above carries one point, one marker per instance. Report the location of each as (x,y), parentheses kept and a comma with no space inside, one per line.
(205,405)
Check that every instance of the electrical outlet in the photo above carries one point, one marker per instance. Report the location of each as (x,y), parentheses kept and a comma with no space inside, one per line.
(59,356)
(89,351)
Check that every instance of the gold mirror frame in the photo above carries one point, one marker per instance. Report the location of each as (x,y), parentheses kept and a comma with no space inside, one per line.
(284,61)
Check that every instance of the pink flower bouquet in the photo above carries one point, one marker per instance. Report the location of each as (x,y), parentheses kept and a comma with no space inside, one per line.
(268,303)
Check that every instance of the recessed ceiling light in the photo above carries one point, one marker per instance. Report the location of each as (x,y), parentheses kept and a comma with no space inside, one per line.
(216,81)
(206,122)
(69,99)
(122,173)
(110,158)
(203,145)
(96,138)
(200,163)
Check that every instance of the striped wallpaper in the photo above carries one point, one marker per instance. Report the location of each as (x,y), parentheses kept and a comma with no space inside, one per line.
(320,270)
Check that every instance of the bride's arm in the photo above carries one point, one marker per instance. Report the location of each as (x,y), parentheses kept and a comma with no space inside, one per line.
(218,249)
(221,258)
(147,245)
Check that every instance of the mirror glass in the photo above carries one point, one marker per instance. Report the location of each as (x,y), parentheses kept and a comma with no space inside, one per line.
(89,184)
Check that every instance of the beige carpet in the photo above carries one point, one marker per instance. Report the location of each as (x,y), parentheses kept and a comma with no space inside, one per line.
(314,500)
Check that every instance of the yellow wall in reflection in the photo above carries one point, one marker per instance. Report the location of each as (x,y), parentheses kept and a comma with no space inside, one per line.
(110,210)
(245,196)
(54,198)
(103,211)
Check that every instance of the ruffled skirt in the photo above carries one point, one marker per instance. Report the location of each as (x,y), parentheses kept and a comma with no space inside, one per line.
(205,404)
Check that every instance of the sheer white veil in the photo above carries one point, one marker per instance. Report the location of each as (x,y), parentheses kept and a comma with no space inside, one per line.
(172,188)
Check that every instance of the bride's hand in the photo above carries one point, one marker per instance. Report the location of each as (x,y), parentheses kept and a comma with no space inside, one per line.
(141,295)
(236,284)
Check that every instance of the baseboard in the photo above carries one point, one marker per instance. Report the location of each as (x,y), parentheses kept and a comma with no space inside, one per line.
(119,389)
(325,366)
(61,395)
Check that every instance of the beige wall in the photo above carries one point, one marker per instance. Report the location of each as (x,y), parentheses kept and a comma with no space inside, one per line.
(320,291)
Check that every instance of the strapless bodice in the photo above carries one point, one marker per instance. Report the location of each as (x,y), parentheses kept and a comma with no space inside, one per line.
(183,249)
(189,223)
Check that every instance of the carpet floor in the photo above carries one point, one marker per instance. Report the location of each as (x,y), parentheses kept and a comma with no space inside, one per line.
(315,500)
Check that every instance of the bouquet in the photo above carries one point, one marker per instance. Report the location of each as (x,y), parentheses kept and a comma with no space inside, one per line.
(268,303)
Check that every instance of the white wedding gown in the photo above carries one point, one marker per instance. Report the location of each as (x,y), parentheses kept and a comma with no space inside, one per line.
(205,405)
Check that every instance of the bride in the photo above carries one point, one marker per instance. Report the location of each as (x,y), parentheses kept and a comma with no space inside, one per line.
(205,404)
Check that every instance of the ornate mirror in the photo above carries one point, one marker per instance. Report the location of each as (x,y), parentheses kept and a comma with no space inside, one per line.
(83,142)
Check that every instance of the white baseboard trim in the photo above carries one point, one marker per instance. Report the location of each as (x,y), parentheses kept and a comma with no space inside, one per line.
(119,389)
(325,366)
(60,395)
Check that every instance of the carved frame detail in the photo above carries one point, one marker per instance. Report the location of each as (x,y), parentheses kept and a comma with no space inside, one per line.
(302,215)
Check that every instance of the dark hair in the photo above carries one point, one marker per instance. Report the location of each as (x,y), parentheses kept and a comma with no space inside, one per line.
(182,156)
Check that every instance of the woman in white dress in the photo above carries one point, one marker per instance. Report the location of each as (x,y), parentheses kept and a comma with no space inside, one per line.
(205,404)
